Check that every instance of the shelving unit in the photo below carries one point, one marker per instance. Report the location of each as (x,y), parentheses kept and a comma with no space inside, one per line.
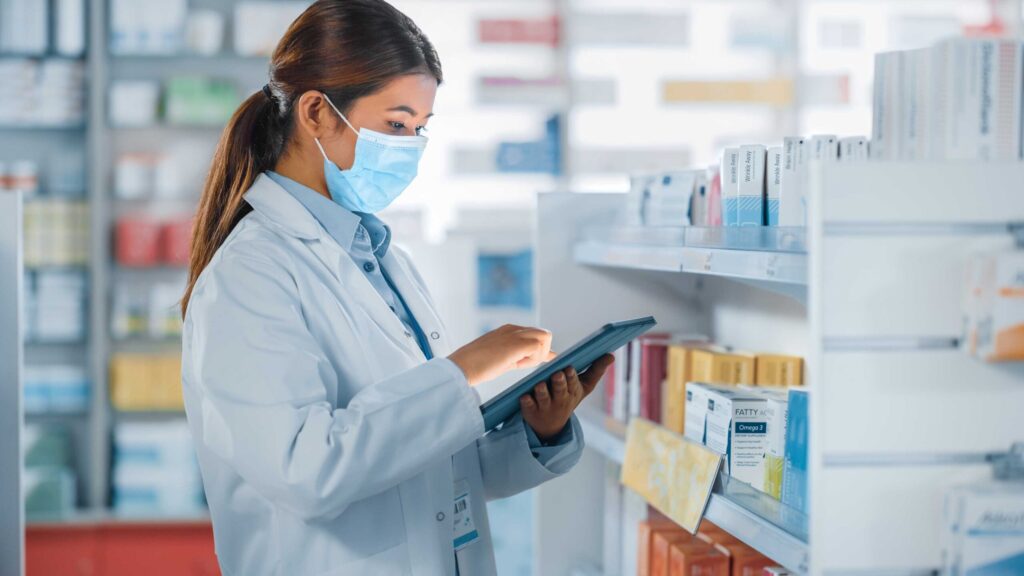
(757,519)
(880,266)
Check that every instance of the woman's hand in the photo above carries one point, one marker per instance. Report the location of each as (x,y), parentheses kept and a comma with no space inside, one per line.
(501,350)
(550,405)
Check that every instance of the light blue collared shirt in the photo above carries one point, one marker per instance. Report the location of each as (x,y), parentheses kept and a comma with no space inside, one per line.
(366,239)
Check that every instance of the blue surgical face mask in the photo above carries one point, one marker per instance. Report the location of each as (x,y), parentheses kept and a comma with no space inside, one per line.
(384,166)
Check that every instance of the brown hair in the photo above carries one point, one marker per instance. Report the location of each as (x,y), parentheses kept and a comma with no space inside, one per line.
(345,48)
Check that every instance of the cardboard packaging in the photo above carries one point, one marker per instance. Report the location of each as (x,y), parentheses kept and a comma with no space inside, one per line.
(795,469)
(716,366)
(776,370)
(694,557)
(736,426)
(646,532)
(984,529)
(730,186)
(751,186)
(999,315)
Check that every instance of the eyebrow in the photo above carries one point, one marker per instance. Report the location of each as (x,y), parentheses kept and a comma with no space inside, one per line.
(407,110)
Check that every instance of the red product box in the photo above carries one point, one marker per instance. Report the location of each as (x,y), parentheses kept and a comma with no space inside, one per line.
(176,241)
(137,241)
(653,369)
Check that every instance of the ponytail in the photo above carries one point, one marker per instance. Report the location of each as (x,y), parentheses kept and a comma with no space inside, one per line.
(346,49)
(247,147)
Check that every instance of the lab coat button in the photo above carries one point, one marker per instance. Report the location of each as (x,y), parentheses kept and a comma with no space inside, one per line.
(440,516)
(435,335)
(369,266)
(408,334)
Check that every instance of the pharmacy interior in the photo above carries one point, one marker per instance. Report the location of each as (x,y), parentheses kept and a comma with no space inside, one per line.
(819,200)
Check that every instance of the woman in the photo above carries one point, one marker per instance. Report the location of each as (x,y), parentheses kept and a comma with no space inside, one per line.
(335,430)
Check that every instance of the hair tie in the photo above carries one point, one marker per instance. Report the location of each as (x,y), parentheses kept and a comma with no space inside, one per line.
(267,92)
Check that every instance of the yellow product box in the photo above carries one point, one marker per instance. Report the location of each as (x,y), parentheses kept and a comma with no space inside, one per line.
(146,382)
(673,395)
(777,370)
(716,366)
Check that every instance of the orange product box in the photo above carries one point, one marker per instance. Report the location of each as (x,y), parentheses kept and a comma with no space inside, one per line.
(744,560)
(645,536)
(697,558)
(660,545)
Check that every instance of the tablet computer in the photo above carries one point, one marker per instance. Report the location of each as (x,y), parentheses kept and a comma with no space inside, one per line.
(580,356)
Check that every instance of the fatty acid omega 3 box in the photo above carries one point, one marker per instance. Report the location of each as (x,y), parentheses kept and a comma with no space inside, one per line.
(737,427)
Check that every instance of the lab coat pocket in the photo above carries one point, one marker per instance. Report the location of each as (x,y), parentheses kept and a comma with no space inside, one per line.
(394,561)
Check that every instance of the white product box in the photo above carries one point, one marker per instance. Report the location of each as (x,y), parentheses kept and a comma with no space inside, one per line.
(792,210)
(853,149)
(696,411)
(730,186)
(751,189)
(134,102)
(736,426)
(824,147)
(670,198)
(984,529)
(773,180)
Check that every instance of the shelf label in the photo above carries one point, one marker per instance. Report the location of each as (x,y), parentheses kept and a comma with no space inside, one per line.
(673,474)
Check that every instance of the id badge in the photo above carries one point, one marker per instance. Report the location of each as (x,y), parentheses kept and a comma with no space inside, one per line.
(465,530)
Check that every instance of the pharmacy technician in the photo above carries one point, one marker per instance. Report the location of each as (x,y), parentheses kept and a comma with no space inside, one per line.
(337,431)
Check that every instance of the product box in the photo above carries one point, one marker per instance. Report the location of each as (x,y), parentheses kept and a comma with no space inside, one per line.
(774,458)
(736,426)
(773,184)
(660,545)
(679,371)
(646,531)
(653,361)
(696,411)
(999,313)
(824,147)
(984,529)
(730,186)
(751,187)
(795,468)
(853,149)
(670,198)
(716,366)
(694,557)
(792,209)
(777,370)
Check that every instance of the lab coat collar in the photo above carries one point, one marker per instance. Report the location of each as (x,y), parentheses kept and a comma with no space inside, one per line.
(282,210)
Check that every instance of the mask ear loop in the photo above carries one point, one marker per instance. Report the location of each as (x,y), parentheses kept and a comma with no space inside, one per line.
(335,108)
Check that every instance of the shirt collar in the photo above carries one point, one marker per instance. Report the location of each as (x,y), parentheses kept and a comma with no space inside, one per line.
(340,223)
(380,233)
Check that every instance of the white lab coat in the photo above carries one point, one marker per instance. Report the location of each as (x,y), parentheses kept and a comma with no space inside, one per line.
(327,444)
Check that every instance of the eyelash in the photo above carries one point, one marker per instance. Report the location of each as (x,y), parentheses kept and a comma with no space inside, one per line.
(401,126)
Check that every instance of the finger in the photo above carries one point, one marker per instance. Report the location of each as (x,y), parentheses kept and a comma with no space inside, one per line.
(534,347)
(575,387)
(593,374)
(541,395)
(559,387)
(528,406)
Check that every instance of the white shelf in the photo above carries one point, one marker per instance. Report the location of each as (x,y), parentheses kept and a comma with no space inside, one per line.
(757,519)
(770,258)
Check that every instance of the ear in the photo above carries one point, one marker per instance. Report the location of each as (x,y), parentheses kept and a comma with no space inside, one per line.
(313,116)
